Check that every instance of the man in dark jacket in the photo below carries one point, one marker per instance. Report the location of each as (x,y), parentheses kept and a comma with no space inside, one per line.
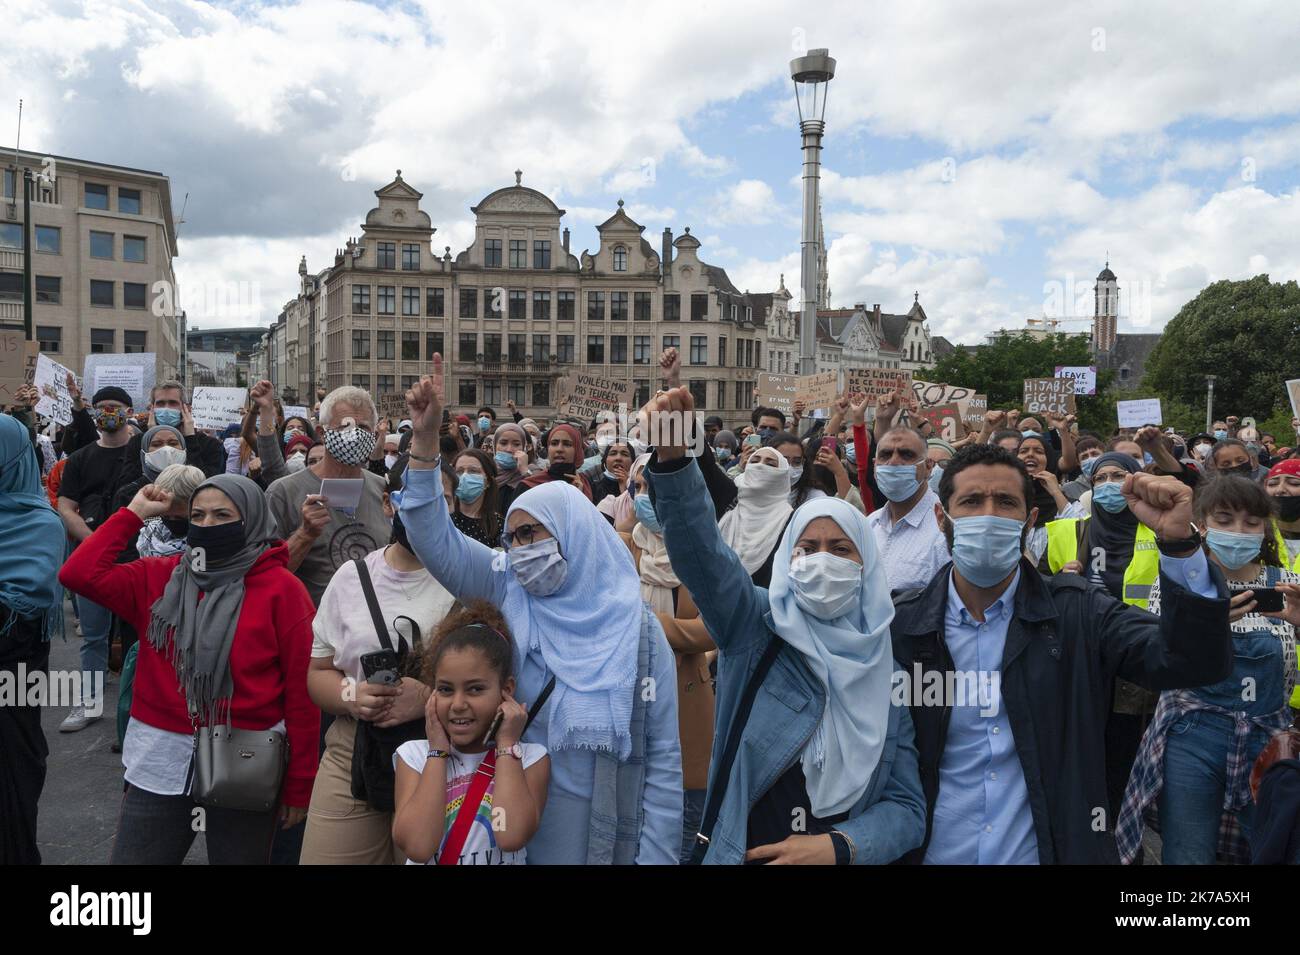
(1009,674)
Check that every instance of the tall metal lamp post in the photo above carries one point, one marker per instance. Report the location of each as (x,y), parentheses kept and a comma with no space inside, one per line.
(812,75)
(1209,402)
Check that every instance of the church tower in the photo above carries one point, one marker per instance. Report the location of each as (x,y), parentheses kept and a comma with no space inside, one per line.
(823,296)
(1105,316)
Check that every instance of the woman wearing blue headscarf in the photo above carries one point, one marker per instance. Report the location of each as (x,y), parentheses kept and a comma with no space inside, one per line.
(567,588)
(32,546)
(812,761)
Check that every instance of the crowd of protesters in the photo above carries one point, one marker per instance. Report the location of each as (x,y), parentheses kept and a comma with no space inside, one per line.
(817,638)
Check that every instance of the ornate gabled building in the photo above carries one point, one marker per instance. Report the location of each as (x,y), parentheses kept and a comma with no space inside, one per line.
(861,338)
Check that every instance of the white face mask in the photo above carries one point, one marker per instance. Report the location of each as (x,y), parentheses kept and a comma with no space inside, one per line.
(825,585)
(160,458)
(390,460)
(795,474)
(297,461)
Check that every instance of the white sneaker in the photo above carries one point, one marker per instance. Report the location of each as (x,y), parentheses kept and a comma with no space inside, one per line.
(77,719)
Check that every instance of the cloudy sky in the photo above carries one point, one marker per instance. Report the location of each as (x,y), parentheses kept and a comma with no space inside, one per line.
(988,155)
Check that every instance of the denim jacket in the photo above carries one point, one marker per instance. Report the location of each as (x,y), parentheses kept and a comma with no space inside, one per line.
(889,820)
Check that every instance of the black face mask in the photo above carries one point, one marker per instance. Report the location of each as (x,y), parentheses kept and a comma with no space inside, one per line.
(558,470)
(220,542)
(1244,469)
(1288,508)
(399,533)
(178,527)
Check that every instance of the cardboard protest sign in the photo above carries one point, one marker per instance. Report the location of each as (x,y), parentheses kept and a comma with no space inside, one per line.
(51,381)
(391,405)
(1135,414)
(133,373)
(777,391)
(874,382)
(16,355)
(1049,396)
(945,419)
(818,391)
(976,407)
(584,396)
(1083,376)
(218,408)
(931,393)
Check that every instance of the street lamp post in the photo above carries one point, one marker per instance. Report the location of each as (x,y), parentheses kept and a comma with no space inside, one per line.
(812,75)
(1209,402)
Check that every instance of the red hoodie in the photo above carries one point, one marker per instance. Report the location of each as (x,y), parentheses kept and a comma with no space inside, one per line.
(268,658)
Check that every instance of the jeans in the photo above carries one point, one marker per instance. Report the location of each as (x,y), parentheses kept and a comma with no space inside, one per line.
(159,830)
(692,814)
(96,630)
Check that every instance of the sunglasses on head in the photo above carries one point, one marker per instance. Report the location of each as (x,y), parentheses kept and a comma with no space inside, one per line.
(523,534)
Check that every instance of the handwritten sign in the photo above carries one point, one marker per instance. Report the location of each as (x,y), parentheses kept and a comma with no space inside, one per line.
(1135,414)
(16,356)
(296,411)
(51,381)
(584,397)
(777,391)
(1293,392)
(976,407)
(932,393)
(1049,396)
(874,382)
(945,419)
(218,408)
(1083,376)
(818,391)
(391,405)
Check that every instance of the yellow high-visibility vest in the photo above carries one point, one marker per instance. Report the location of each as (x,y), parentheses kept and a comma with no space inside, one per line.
(1282,551)
(1140,574)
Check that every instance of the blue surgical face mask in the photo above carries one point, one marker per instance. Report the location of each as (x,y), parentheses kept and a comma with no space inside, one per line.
(645,513)
(723,454)
(505,460)
(897,482)
(1233,550)
(1220,434)
(484,422)
(936,476)
(1089,465)
(851,453)
(168,416)
(1146,457)
(539,566)
(985,548)
(470,487)
(1110,496)
(766,433)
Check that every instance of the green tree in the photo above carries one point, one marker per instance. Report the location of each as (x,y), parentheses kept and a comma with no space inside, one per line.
(1244,333)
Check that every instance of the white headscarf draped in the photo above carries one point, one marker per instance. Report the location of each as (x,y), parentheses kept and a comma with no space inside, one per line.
(851,655)
(752,527)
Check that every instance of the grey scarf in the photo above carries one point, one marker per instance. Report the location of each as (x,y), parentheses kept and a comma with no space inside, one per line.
(196,635)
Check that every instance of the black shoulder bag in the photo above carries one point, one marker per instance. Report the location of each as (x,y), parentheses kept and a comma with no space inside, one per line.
(722,774)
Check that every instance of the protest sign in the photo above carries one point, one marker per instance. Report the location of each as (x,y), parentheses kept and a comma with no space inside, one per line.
(976,407)
(218,408)
(1135,414)
(583,397)
(818,391)
(945,419)
(391,405)
(1293,392)
(932,393)
(297,411)
(1049,396)
(874,382)
(1083,376)
(777,391)
(16,354)
(133,373)
(51,381)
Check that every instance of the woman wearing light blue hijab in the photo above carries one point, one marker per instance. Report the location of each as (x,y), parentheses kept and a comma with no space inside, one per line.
(824,767)
(32,546)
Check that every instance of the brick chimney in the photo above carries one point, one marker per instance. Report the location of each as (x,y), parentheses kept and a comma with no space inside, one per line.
(565,243)
(666,255)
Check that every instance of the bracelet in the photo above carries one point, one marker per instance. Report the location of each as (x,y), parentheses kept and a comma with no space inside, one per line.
(853,850)
(423,460)
(439,754)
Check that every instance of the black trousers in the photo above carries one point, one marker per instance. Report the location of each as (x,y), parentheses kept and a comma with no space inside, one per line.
(159,830)
(23,750)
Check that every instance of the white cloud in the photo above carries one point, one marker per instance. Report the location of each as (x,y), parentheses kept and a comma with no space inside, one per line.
(747,202)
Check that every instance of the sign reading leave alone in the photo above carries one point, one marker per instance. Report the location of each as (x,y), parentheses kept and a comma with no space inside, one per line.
(583,397)
(1049,396)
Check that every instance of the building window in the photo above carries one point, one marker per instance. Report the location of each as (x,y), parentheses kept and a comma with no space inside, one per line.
(672,341)
(11,235)
(128,201)
(387,300)
(733,313)
(564,352)
(740,391)
(96,196)
(699,350)
(410,257)
(361,299)
(49,290)
(491,347)
(11,287)
(102,341)
(641,350)
(361,381)
(541,348)
(384,384)
(722,352)
(492,253)
(410,301)
(468,391)
(408,382)
(641,306)
(101,245)
(642,392)
(595,349)
(564,305)
(133,294)
(515,390)
(410,346)
(386,255)
(672,308)
(467,346)
(491,392)
(516,347)
(541,254)
(434,302)
(469,303)
(385,346)
(542,393)
(618,306)
(492,304)
(101,293)
(133,342)
(758,358)
(595,306)
(541,306)
(518,304)
(699,307)
(49,239)
(133,248)
(699,392)
(620,259)
(360,343)
(722,395)
(10,176)
(518,254)
(618,350)
(432,345)
(50,337)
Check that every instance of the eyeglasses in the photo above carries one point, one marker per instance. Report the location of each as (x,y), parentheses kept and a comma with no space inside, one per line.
(523,534)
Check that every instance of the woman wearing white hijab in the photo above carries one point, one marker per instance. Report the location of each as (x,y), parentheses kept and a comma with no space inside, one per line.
(816,764)
(754,526)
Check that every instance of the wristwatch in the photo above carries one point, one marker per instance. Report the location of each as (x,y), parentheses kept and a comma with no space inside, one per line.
(516,751)
(1173,547)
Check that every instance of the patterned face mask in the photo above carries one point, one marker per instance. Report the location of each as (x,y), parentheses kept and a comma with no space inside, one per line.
(110,420)
(350,446)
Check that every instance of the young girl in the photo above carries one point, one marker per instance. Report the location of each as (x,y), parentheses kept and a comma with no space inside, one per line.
(468,665)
